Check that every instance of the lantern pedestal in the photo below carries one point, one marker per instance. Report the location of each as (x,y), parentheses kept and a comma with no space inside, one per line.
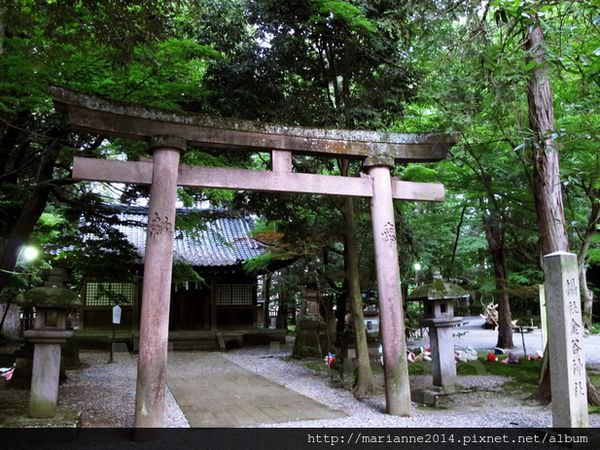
(443,363)
(46,370)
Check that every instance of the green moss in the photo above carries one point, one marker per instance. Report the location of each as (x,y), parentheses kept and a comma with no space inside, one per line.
(523,376)
(438,290)
(318,365)
(423,368)
(40,408)
(55,297)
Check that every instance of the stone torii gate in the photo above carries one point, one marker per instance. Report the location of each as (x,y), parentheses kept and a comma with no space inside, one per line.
(170,132)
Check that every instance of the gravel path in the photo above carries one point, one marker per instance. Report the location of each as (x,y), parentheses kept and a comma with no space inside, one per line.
(497,411)
(105,393)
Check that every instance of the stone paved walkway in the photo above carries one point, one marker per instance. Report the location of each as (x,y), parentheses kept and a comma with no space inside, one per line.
(214,392)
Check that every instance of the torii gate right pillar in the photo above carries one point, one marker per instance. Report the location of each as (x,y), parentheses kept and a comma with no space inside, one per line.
(397,390)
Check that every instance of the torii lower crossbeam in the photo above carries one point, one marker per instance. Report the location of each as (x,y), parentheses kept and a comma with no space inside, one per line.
(253,180)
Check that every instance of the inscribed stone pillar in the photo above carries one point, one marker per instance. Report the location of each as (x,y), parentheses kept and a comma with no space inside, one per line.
(565,341)
(156,295)
(397,389)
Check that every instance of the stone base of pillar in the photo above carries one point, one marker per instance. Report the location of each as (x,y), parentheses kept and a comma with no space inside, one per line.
(437,396)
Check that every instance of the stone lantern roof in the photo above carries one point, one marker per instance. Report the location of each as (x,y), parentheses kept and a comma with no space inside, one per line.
(438,290)
(53,294)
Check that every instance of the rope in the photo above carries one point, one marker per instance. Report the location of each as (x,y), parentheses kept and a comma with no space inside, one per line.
(16,273)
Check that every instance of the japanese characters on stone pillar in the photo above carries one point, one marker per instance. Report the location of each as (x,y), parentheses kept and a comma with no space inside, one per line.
(565,340)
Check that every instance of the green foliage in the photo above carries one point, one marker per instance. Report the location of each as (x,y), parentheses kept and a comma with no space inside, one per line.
(402,66)
(523,375)
(104,255)
(183,273)
(345,11)
(276,249)
(315,364)
(259,263)
(419,173)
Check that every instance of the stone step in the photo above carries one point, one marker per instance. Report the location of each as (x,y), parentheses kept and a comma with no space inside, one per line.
(196,345)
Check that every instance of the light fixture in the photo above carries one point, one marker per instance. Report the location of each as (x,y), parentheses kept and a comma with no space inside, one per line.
(417,267)
(29,253)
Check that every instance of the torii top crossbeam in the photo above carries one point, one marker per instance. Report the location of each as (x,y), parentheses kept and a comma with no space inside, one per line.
(110,118)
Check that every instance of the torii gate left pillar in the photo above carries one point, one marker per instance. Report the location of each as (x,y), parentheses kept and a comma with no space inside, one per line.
(156,294)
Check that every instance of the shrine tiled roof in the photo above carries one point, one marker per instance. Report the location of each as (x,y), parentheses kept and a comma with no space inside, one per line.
(220,240)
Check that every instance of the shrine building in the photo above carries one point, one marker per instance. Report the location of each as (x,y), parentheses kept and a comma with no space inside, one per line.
(221,308)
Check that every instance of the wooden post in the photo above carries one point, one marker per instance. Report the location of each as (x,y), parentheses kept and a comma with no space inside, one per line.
(397,390)
(213,306)
(156,292)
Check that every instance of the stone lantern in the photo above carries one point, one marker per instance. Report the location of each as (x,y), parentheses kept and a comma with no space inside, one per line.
(438,298)
(52,304)
(311,329)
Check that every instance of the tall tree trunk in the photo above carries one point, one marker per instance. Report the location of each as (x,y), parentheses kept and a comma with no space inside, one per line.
(457,236)
(282,313)
(587,296)
(494,234)
(267,295)
(364,384)
(31,212)
(281,322)
(546,173)
(340,317)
